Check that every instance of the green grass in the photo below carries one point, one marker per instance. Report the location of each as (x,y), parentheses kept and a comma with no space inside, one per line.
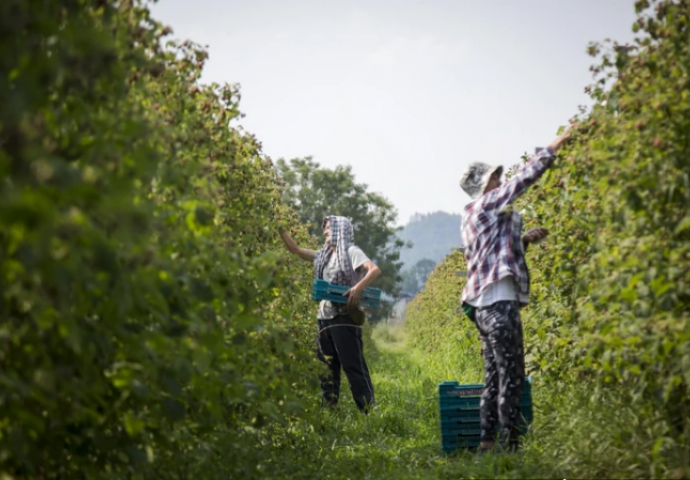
(574,434)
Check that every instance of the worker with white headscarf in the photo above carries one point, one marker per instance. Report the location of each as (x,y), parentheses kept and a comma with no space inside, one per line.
(340,344)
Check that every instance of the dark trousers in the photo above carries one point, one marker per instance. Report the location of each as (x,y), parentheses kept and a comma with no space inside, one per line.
(340,345)
(500,330)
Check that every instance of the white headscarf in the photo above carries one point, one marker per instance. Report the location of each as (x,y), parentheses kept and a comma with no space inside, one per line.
(475,178)
(342,238)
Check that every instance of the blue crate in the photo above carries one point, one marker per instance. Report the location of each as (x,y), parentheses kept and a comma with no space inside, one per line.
(473,428)
(458,405)
(451,438)
(472,417)
(467,416)
(467,438)
(322,290)
(462,429)
(459,409)
(452,394)
(467,443)
(452,390)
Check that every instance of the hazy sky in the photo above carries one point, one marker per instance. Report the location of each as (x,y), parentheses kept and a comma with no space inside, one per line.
(408,92)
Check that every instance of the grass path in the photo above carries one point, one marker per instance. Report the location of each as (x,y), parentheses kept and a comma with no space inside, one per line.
(575,434)
(401,438)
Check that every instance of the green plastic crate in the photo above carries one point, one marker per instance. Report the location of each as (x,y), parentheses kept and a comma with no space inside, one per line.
(322,290)
(459,414)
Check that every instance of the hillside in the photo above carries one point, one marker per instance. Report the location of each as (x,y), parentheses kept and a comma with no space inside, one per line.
(433,236)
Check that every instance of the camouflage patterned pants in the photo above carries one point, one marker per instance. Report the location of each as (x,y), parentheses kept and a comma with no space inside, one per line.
(500,330)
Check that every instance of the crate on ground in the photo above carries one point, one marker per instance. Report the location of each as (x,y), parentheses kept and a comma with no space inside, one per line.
(460,419)
(323,290)
(469,443)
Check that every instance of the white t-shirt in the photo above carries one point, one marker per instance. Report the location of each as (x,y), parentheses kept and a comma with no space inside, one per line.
(358,258)
(504,289)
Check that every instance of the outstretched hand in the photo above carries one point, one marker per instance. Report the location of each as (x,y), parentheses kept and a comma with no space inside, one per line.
(535,235)
(564,137)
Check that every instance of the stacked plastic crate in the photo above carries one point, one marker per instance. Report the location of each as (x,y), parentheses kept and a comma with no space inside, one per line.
(459,406)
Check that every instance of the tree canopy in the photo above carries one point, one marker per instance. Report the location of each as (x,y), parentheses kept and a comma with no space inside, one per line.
(414,278)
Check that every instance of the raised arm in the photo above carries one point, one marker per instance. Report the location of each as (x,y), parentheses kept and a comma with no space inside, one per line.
(303,253)
(526,176)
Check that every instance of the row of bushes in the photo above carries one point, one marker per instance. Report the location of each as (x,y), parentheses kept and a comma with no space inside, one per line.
(611,290)
(148,327)
(611,285)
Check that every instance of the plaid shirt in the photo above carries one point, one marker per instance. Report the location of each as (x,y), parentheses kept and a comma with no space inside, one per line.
(492,231)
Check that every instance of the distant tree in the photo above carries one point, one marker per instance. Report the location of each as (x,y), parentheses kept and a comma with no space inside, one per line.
(315,192)
(409,282)
(414,278)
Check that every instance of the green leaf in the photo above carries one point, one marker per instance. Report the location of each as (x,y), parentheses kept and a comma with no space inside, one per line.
(133,425)
(174,410)
(683,225)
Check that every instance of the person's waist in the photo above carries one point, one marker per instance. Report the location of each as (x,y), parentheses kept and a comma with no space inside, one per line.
(486,307)
(506,288)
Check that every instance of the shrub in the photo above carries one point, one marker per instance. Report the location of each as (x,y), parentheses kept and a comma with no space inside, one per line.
(146,320)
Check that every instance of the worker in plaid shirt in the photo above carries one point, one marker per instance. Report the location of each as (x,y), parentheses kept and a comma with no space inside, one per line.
(498,284)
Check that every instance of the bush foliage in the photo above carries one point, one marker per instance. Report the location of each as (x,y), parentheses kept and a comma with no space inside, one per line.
(611,288)
(145,329)
(150,330)
(611,285)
